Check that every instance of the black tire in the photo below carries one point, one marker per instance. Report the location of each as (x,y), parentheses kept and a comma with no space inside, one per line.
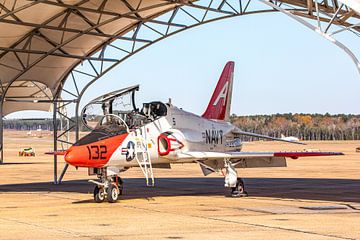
(112,193)
(239,190)
(99,194)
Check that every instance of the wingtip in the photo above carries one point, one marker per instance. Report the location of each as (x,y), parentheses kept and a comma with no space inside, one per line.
(295,155)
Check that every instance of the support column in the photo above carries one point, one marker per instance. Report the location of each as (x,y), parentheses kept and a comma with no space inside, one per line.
(77,127)
(55,140)
(1,133)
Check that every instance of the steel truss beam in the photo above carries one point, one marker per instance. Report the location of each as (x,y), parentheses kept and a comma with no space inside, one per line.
(318,26)
(64,55)
(143,33)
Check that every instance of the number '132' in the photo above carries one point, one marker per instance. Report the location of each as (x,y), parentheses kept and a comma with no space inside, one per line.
(97,152)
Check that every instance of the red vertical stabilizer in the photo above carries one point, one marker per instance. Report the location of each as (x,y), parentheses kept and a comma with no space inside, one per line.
(220,102)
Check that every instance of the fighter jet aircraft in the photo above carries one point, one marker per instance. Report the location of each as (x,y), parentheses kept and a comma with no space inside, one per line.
(161,134)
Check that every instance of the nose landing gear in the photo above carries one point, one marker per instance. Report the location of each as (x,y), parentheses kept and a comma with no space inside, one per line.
(110,188)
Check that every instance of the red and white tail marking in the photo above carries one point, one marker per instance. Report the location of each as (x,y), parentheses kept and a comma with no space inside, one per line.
(220,102)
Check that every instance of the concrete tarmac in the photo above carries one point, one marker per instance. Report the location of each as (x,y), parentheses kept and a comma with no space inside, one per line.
(313,198)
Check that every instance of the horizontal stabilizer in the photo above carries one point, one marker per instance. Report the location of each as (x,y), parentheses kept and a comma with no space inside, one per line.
(239,132)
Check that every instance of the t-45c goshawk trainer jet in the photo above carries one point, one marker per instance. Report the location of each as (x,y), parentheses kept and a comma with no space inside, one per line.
(161,134)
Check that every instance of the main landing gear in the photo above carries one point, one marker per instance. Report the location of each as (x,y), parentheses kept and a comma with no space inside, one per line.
(232,181)
(110,188)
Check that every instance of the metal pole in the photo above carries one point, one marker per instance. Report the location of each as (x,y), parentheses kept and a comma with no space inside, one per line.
(55,140)
(63,173)
(1,134)
(77,128)
(76,139)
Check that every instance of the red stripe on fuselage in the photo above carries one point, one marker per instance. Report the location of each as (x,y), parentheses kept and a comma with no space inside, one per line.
(95,154)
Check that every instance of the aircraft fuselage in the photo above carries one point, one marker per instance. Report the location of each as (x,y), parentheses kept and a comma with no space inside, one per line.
(161,139)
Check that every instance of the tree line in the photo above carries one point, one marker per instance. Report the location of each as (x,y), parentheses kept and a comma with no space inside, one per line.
(28,124)
(43,124)
(303,126)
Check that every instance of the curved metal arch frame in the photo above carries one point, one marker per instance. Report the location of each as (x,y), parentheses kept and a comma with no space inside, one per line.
(275,8)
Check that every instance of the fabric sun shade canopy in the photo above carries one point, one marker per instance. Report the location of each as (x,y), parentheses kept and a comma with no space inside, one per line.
(40,26)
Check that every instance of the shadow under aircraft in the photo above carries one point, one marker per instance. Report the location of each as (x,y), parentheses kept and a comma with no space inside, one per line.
(335,190)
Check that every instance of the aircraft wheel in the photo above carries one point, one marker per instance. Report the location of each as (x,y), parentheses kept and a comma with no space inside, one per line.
(112,193)
(120,184)
(239,190)
(99,194)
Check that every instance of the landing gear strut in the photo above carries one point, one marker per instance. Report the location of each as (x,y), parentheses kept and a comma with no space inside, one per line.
(232,180)
(110,188)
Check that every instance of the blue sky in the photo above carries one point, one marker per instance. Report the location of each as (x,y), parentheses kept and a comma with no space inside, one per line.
(280,67)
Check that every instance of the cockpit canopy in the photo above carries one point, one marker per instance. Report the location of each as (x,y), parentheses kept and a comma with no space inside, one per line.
(120,103)
(154,110)
(119,108)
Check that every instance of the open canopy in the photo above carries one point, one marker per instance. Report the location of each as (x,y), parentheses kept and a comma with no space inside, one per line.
(119,103)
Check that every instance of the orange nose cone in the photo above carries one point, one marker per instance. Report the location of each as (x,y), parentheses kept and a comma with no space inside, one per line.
(69,156)
(74,157)
(95,154)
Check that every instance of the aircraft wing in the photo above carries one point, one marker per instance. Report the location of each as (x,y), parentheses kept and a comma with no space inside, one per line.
(214,161)
(198,155)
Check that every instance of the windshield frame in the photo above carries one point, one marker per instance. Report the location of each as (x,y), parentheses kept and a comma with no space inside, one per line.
(112,115)
(108,99)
